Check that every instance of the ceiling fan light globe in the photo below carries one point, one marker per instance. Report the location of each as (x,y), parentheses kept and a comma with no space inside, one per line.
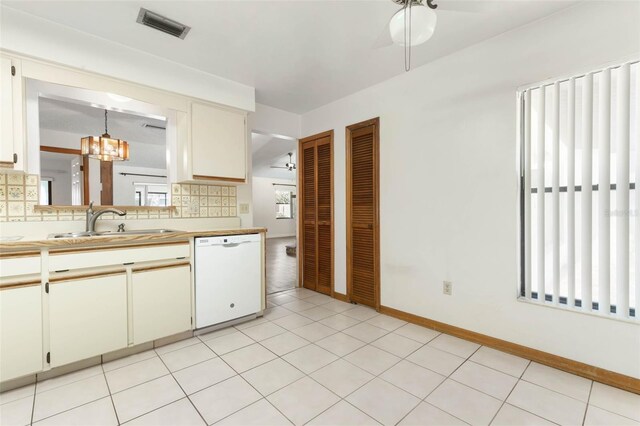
(423,24)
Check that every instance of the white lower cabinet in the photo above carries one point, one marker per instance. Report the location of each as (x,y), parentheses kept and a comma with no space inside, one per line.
(20,331)
(87,317)
(161,302)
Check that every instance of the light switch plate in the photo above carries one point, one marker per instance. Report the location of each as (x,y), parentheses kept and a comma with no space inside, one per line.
(447,287)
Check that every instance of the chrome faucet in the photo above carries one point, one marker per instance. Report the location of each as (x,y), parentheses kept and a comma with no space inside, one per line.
(93,216)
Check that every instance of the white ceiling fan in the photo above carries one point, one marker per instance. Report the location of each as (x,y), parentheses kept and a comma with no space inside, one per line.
(415,23)
(291,166)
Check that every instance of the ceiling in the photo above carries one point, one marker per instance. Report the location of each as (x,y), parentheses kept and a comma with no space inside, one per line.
(87,120)
(270,151)
(299,55)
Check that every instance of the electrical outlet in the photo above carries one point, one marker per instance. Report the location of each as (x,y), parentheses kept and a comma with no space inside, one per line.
(244,208)
(447,287)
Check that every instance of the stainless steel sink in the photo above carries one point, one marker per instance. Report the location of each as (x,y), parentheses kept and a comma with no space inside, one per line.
(73,235)
(97,234)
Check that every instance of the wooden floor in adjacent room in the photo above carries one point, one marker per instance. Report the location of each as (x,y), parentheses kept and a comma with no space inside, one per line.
(281,267)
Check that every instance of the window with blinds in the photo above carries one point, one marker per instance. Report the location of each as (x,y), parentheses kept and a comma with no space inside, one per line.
(579,208)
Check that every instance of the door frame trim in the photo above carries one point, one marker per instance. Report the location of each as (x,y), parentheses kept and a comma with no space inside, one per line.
(376,208)
(300,196)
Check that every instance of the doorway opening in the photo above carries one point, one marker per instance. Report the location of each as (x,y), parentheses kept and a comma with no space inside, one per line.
(274,196)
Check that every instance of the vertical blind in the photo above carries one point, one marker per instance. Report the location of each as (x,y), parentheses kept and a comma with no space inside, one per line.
(580,212)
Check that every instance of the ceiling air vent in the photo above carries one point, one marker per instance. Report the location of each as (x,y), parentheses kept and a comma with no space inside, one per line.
(153,126)
(161,23)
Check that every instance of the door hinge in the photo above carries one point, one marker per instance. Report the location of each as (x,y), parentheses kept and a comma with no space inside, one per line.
(82,168)
(48,357)
(191,320)
(15,158)
(13,70)
(46,287)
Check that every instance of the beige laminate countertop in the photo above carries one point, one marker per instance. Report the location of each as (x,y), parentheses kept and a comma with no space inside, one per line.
(33,243)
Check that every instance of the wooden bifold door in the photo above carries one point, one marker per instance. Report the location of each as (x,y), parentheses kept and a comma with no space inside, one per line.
(315,183)
(363,235)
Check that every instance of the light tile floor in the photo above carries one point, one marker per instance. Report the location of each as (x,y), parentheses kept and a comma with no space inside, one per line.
(323,362)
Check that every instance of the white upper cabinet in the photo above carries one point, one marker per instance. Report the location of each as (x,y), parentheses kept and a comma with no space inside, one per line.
(11,125)
(218,143)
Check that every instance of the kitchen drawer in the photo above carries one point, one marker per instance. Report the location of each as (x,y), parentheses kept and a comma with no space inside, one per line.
(12,266)
(91,258)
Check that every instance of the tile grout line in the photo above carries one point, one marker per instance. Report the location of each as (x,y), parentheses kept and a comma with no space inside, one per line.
(181,388)
(145,382)
(520,379)
(246,381)
(475,361)
(70,409)
(113,404)
(445,379)
(69,373)
(240,375)
(586,408)
(178,383)
(424,400)
(511,391)
(33,405)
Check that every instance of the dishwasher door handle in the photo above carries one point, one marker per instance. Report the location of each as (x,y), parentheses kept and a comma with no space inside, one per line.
(231,245)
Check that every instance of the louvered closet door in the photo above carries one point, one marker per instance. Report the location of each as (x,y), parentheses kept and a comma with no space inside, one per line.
(362,214)
(324,213)
(308,237)
(317,213)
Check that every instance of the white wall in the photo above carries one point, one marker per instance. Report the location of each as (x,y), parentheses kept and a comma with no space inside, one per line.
(264,207)
(274,121)
(59,170)
(449,185)
(124,193)
(37,37)
(266,120)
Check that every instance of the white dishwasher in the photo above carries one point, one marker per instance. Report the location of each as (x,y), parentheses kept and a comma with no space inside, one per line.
(227,278)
